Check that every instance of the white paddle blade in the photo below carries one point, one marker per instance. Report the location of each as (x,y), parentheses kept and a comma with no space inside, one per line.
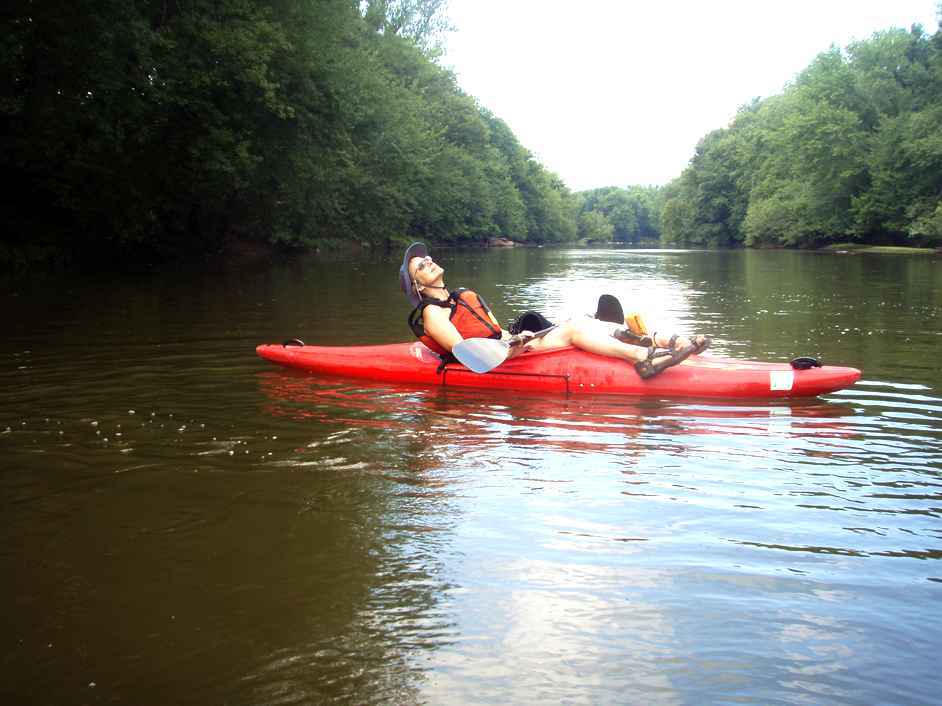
(481,354)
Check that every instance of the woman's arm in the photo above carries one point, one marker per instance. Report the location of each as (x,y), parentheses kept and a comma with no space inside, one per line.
(438,325)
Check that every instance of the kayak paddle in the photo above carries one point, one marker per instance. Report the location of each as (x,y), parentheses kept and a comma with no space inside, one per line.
(484,354)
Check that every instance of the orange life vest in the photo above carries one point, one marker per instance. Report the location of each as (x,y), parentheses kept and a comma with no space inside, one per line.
(469,314)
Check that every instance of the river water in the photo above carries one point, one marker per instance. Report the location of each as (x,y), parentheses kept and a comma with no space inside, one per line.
(184,523)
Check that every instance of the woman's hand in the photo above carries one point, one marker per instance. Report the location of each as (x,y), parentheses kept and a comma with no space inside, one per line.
(521,338)
(518,343)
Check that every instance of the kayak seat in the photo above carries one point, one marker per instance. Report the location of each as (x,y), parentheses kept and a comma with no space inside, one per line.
(609,309)
(532,321)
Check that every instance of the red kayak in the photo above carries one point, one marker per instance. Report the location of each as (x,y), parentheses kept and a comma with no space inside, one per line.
(566,370)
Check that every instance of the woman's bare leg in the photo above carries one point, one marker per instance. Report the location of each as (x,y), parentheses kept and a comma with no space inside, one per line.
(590,335)
(596,336)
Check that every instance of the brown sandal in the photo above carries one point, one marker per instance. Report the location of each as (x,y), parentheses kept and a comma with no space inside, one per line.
(648,368)
(626,335)
(699,342)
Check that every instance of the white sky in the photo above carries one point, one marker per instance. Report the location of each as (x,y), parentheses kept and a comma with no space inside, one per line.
(612,93)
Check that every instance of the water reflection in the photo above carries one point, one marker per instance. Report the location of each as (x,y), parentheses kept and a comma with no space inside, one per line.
(582,579)
(578,424)
(183,522)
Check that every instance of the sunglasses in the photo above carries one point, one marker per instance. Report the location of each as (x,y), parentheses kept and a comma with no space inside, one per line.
(426,262)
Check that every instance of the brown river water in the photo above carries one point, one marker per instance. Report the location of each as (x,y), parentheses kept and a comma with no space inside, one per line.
(184,523)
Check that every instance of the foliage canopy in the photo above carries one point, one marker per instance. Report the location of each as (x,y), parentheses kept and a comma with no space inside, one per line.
(161,129)
(851,150)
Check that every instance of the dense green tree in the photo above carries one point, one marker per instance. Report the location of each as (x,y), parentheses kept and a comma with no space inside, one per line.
(850,150)
(713,187)
(421,21)
(171,129)
(904,76)
(633,213)
(594,227)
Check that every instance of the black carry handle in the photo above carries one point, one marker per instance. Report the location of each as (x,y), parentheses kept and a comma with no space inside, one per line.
(805,363)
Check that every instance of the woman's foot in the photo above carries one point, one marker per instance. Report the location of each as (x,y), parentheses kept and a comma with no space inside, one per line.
(659,360)
(699,342)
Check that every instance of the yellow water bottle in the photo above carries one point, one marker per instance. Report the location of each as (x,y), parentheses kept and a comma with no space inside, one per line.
(634,322)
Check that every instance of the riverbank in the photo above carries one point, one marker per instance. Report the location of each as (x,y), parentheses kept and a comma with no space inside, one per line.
(881,249)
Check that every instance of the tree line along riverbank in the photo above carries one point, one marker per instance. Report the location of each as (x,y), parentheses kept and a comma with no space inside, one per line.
(164,130)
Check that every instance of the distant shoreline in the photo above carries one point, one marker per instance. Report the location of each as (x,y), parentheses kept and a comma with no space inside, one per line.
(882,249)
